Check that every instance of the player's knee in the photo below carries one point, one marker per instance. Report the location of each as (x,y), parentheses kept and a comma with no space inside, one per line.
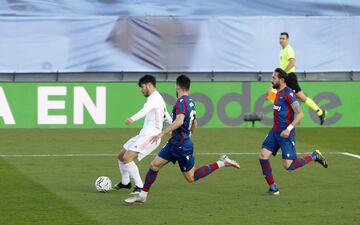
(121,154)
(287,167)
(190,179)
(262,155)
(155,165)
(120,157)
(302,97)
(126,159)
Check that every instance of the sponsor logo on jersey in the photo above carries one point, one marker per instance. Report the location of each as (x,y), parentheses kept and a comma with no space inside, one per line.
(277,108)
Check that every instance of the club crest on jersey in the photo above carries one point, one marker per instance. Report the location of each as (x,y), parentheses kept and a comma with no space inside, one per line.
(277,108)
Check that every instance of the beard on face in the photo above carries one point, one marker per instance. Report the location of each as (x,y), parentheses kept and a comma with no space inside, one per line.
(146,93)
(276,85)
(177,94)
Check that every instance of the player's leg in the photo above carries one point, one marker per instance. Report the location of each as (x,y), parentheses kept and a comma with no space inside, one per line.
(163,157)
(293,83)
(139,149)
(130,166)
(154,169)
(270,147)
(289,156)
(308,101)
(300,162)
(293,164)
(191,174)
(150,178)
(125,176)
(290,159)
(264,159)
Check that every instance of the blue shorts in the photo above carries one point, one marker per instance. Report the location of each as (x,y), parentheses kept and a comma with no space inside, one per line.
(182,153)
(274,141)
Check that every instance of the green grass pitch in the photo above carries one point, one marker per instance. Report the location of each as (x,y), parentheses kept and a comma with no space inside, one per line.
(60,189)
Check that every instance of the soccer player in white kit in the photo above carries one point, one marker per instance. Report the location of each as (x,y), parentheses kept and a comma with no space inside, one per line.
(138,147)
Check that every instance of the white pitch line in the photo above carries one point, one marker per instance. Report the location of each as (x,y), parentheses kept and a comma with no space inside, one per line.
(200,153)
(351,155)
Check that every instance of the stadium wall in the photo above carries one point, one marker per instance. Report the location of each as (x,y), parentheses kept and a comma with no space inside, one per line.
(106,105)
(190,44)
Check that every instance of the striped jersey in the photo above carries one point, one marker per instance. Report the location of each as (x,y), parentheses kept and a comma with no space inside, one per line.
(283,112)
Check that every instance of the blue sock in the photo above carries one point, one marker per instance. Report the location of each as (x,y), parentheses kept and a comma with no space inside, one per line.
(313,156)
(203,171)
(273,187)
(300,162)
(149,179)
(267,172)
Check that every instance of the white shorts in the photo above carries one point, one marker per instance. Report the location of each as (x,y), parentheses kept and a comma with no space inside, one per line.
(142,145)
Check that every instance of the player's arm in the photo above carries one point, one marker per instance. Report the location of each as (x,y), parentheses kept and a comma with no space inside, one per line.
(178,122)
(298,113)
(290,54)
(291,64)
(194,126)
(167,119)
(148,106)
(297,119)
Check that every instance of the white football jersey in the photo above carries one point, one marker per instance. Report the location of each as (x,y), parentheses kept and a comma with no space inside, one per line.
(155,114)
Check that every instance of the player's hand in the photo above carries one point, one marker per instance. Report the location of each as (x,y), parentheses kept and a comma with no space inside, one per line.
(285,133)
(155,138)
(128,121)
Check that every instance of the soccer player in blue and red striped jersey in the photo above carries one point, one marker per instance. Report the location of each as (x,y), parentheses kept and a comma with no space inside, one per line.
(287,114)
(180,148)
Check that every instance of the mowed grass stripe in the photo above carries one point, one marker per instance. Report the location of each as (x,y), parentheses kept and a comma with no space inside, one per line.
(228,196)
(24,201)
(153,154)
(311,194)
(65,141)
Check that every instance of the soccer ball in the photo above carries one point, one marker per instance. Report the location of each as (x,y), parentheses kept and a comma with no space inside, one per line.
(103,184)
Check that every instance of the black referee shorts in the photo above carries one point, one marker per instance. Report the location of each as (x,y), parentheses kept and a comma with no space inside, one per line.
(292,82)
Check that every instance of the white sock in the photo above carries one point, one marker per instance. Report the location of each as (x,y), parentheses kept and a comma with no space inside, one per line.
(220,163)
(125,176)
(143,194)
(133,170)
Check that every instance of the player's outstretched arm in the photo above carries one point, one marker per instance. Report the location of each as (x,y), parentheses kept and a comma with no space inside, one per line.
(148,106)
(298,117)
(178,122)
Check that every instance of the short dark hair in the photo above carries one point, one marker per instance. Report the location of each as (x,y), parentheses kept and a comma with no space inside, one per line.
(286,34)
(147,79)
(282,73)
(183,82)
